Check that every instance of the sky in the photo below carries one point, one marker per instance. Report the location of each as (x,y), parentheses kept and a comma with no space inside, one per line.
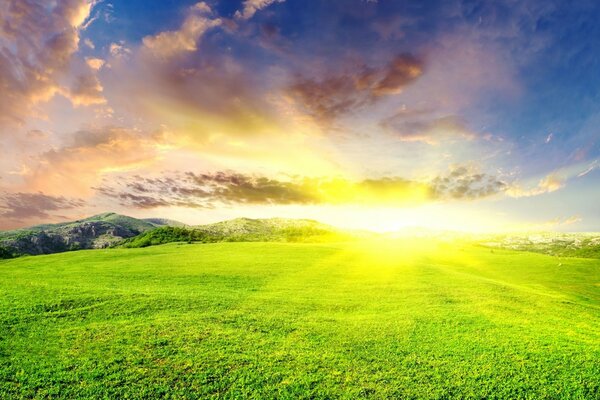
(458,114)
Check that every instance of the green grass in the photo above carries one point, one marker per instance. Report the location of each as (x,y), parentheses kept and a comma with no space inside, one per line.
(283,320)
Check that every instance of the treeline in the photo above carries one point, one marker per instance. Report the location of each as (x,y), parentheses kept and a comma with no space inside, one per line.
(5,253)
(164,235)
(586,250)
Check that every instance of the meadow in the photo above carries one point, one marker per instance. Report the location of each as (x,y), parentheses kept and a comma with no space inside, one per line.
(376,319)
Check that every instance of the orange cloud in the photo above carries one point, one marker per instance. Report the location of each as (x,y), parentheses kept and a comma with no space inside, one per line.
(86,91)
(75,167)
(37,41)
(250,7)
(170,43)
(94,63)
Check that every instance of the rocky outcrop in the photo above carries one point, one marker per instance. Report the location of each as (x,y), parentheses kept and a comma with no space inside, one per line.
(96,232)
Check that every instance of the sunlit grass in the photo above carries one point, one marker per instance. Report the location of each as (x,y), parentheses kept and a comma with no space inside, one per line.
(386,318)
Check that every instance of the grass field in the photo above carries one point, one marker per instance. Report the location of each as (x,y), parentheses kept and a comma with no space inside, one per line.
(273,320)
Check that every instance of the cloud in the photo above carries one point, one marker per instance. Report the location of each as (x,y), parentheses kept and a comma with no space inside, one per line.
(593,166)
(171,43)
(193,86)
(139,201)
(466,183)
(24,206)
(548,184)
(89,43)
(330,97)
(204,95)
(227,188)
(119,49)
(559,222)
(333,96)
(89,154)
(36,134)
(424,126)
(201,7)
(208,190)
(86,91)
(403,69)
(572,220)
(94,63)
(37,41)
(250,7)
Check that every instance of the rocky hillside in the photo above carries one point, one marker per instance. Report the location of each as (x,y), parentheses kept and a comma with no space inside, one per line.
(99,231)
(110,229)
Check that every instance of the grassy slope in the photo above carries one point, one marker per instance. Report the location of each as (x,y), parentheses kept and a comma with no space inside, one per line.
(300,320)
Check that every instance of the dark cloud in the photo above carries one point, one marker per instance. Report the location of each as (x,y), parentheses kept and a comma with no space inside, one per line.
(333,96)
(140,201)
(152,193)
(464,183)
(23,206)
(228,188)
(204,190)
(330,97)
(240,188)
(403,69)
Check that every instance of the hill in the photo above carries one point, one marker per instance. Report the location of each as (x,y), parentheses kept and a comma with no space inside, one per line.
(99,231)
(399,319)
(113,230)
(110,229)
(242,230)
(585,245)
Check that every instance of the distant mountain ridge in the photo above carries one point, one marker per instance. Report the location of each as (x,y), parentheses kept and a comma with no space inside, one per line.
(98,231)
(111,229)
